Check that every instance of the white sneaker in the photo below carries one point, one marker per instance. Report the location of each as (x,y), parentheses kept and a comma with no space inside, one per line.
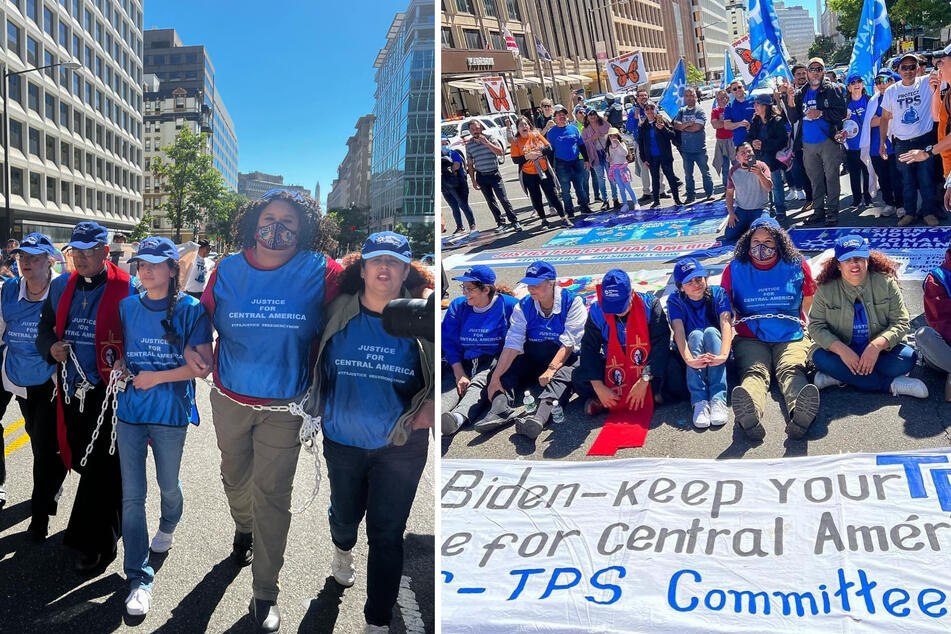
(161,542)
(342,568)
(701,415)
(800,194)
(138,602)
(906,386)
(791,195)
(889,210)
(823,380)
(719,412)
(624,207)
(900,212)
(375,629)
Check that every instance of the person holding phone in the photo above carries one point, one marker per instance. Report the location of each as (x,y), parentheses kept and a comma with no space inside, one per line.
(747,192)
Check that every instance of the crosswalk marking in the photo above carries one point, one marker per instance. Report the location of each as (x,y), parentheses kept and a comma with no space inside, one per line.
(16,444)
(12,428)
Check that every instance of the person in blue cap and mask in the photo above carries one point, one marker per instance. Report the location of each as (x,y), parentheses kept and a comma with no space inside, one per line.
(771,288)
(859,323)
(29,375)
(157,405)
(702,322)
(540,349)
(473,334)
(857,109)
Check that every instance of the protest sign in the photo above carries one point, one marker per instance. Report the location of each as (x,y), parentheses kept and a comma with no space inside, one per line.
(652,230)
(626,72)
(497,95)
(880,238)
(842,543)
(742,55)
(646,250)
(913,264)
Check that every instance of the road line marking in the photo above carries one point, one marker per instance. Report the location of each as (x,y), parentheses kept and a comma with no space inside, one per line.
(409,608)
(16,444)
(12,428)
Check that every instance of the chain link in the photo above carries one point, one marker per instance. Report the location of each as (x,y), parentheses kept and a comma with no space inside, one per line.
(770,316)
(112,390)
(84,384)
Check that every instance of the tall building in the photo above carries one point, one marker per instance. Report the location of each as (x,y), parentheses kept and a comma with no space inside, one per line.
(253,185)
(829,26)
(738,19)
(75,135)
(402,165)
(799,30)
(712,32)
(352,185)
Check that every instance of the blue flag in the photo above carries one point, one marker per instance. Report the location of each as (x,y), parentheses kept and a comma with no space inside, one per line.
(873,40)
(673,99)
(766,42)
(727,69)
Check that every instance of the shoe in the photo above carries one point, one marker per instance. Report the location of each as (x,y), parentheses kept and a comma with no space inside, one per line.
(342,567)
(817,218)
(242,552)
(889,210)
(518,227)
(546,224)
(800,194)
(701,414)
(807,406)
(451,422)
(645,198)
(823,380)
(947,389)
(585,209)
(624,208)
(458,231)
(665,195)
(617,205)
(568,222)
(162,542)
(473,230)
(655,204)
(791,195)
(856,201)
(900,212)
(689,200)
(906,220)
(495,420)
(529,426)
(746,415)
(265,614)
(38,528)
(719,412)
(605,205)
(500,229)
(932,220)
(907,386)
(93,564)
(808,206)
(138,602)
(376,629)
(867,200)
(593,407)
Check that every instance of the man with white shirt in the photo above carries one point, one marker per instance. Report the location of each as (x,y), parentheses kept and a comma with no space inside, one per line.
(198,275)
(907,118)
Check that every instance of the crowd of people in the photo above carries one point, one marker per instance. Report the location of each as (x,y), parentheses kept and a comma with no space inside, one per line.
(891,138)
(768,318)
(96,344)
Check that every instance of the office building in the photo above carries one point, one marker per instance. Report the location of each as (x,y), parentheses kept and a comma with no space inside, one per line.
(75,149)
(351,188)
(830,26)
(737,19)
(712,33)
(799,30)
(253,185)
(402,165)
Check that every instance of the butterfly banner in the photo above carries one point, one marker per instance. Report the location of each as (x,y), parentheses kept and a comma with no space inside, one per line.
(497,94)
(743,58)
(626,72)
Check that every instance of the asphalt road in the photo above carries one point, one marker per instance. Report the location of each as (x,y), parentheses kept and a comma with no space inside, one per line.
(849,421)
(197,589)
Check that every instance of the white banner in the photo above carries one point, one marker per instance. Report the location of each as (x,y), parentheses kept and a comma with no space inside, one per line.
(497,94)
(743,59)
(627,72)
(846,543)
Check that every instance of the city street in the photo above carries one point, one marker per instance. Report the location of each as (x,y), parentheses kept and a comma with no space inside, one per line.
(197,588)
(848,421)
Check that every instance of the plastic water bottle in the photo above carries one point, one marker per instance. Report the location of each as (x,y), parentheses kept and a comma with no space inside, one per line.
(529,402)
(557,414)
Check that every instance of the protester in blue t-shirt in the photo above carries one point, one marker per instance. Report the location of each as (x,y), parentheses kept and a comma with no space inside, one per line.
(702,323)
(473,333)
(571,160)
(739,113)
(156,407)
(857,111)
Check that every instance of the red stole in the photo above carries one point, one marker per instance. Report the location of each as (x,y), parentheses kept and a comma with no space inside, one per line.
(108,338)
(623,367)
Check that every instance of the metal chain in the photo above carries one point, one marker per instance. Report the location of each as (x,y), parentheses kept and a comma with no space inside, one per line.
(112,390)
(770,316)
(84,385)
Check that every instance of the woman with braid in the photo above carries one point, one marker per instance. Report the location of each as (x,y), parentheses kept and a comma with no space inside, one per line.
(157,404)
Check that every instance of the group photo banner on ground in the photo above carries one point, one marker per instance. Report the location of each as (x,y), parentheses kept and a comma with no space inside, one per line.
(843,543)
(646,250)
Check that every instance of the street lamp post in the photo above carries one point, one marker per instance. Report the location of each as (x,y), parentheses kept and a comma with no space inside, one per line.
(6,222)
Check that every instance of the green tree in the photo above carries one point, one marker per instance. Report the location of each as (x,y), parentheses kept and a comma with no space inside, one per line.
(823,47)
(849,13)
(143,229)
(694,74)
(422,237)
(190,184)
(930,14)
(353,222)
(222,216)
(842,55)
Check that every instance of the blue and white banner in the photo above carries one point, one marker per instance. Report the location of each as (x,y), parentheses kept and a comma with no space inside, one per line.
(727,69)
(882,238)
(873,40)
(766,41)
(610,218)
(841,543)
(652,230)
(673,99)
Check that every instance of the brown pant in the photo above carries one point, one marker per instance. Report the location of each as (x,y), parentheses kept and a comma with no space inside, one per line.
(258,460)
(755,360)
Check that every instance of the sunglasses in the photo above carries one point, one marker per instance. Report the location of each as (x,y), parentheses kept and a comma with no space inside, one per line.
(816,69)
(880,81)
(649,108)
(545,105)
(909,67)
(737,89)
(276,192)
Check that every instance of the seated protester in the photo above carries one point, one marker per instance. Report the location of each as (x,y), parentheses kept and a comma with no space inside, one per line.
(858,321)
(771,288)
(540,347)
(702,322)
(473,332)
(747,192)
(934,340)
(590,380)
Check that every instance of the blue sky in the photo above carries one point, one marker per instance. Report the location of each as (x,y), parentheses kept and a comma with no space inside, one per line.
(295,75)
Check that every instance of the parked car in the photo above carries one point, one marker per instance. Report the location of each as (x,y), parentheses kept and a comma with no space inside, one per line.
(458,132)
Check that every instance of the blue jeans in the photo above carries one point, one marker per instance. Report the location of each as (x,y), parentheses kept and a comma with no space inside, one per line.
(891,363)
(600,173)
(572,173)
(779,193)
(727,164)
(458,199)
(744,218)
(706,384)
(700,160)
(167,443)
(917,178)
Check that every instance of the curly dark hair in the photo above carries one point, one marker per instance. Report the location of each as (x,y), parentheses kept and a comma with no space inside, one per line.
(315,233)
(351,283)
(784,247)
(878,262)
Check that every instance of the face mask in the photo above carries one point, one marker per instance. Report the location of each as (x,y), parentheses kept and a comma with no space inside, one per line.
(762,252)
(276,237)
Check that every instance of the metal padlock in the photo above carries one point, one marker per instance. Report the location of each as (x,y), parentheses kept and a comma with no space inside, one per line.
(121,384)
(83,387)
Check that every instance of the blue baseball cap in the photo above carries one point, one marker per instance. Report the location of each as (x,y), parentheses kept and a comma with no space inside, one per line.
(538,272)
(688,268)
(765,221)
(615,292)
(479,273)
(851,246)
(854,78)
(387,243)
(764,99)
(36,244)
(155,249)
(87,235)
